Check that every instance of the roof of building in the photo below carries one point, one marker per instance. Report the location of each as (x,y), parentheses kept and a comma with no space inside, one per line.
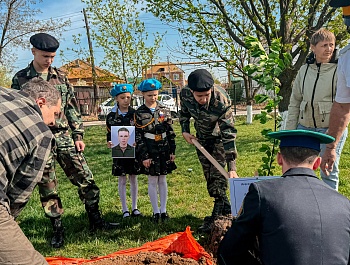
(163,67)
(81,69)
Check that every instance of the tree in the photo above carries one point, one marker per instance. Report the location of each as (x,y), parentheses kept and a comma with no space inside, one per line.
(17,23)
(215,28)
(5,77)
(123,37)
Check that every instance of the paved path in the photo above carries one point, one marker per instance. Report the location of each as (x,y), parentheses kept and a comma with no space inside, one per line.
(103,123)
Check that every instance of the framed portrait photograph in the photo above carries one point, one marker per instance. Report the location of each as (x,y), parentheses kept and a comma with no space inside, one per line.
(123,141)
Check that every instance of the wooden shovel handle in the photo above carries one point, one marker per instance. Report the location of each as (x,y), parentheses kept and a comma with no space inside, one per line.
(210,158)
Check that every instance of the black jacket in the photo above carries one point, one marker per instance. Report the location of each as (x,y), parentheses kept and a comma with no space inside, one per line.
(297,219)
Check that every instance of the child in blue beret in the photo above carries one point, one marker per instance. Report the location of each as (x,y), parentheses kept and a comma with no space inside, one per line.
(155,146)
(123,115)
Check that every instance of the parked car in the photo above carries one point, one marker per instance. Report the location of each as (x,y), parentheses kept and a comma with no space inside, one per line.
(105,107)
(137,100)
(169,102)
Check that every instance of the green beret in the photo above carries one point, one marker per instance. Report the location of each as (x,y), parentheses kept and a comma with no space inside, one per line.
(301,138)
(44,42)
(200,80)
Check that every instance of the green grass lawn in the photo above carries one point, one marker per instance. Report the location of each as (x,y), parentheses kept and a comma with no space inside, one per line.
(188,200)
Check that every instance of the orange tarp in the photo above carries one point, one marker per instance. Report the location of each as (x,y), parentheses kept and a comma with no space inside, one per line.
(182,243)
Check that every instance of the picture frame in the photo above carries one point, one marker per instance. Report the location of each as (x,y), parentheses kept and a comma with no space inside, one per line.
(123,141)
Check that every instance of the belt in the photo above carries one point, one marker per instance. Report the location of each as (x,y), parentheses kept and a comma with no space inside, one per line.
(156,137)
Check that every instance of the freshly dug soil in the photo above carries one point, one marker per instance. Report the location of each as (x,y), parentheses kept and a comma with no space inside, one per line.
(151,258)
(211,245)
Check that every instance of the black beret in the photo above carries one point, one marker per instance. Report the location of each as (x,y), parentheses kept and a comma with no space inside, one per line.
(44,42)
(339,3)
(200,80)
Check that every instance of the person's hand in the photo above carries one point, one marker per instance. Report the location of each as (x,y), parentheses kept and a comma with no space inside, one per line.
(147,163)
(188,137)
(80,146)
(328,159)
(232,174)
(109,144)
(172,158)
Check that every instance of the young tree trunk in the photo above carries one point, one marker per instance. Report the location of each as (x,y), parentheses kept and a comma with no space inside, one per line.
(249,112)
(286,79)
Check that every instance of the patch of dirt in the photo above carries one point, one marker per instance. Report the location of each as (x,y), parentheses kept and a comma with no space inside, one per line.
(219,228)
(149,258)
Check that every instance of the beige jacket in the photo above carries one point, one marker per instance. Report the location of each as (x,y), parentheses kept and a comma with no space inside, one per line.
(312,96)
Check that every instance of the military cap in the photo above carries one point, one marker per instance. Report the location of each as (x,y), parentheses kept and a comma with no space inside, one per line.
(200,80)
(339,3)
(120,89)
(44,42)
(149,85)
(301,138)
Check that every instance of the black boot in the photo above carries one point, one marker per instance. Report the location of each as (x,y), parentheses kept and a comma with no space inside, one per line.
(206,226)
(227,207)
(58,232)
(96,220)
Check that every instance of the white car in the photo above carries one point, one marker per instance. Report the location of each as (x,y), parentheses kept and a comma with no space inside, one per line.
(105,107)
(169,102)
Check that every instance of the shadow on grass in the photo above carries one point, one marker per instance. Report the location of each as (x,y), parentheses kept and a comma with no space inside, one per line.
(137,229)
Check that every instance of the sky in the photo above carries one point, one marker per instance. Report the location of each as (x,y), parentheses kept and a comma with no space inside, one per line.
(57,10)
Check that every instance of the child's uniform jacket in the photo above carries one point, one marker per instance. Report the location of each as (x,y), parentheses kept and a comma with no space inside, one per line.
(155,139)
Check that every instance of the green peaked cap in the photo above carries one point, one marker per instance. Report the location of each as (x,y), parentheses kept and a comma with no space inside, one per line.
(301,138)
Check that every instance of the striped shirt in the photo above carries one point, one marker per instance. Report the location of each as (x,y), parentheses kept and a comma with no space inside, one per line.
(25,144)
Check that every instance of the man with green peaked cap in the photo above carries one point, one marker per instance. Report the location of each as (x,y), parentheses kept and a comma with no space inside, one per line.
(340,112)
(293,220)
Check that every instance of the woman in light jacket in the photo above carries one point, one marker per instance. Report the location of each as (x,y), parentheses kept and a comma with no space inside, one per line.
(313,95)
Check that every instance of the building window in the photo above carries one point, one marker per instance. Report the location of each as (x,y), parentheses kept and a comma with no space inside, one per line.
(176,76)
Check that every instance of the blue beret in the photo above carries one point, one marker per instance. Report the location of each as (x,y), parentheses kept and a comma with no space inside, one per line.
(200,80)
(149,85)
(301,138)
(121,88)
(339,3)
(44,42)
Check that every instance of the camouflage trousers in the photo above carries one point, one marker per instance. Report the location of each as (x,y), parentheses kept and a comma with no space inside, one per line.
(216,182)
(76,169)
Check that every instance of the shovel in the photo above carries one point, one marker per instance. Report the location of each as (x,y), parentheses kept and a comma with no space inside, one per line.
(210,158)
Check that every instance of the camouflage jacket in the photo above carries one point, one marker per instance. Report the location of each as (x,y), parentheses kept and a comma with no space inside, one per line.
(25,144)
(211,121)
(70,115)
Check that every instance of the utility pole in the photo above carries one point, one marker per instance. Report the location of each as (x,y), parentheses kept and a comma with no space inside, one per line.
(92,61)
(169,74)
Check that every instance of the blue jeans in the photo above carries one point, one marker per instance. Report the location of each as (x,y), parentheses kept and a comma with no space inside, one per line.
(333,179)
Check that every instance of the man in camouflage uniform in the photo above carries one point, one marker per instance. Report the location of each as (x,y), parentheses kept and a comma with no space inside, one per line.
(214,123)
(69,148)
(25,144)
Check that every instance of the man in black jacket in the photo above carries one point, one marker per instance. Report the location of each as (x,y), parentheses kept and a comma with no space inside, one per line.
(293,220)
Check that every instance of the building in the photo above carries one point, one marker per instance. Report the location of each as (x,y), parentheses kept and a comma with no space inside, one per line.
(79,74)
(166,73)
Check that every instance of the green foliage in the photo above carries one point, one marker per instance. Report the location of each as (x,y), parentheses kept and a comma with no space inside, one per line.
(118,29)
(218,29)
(18,22)
(265,72)
(5,77)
